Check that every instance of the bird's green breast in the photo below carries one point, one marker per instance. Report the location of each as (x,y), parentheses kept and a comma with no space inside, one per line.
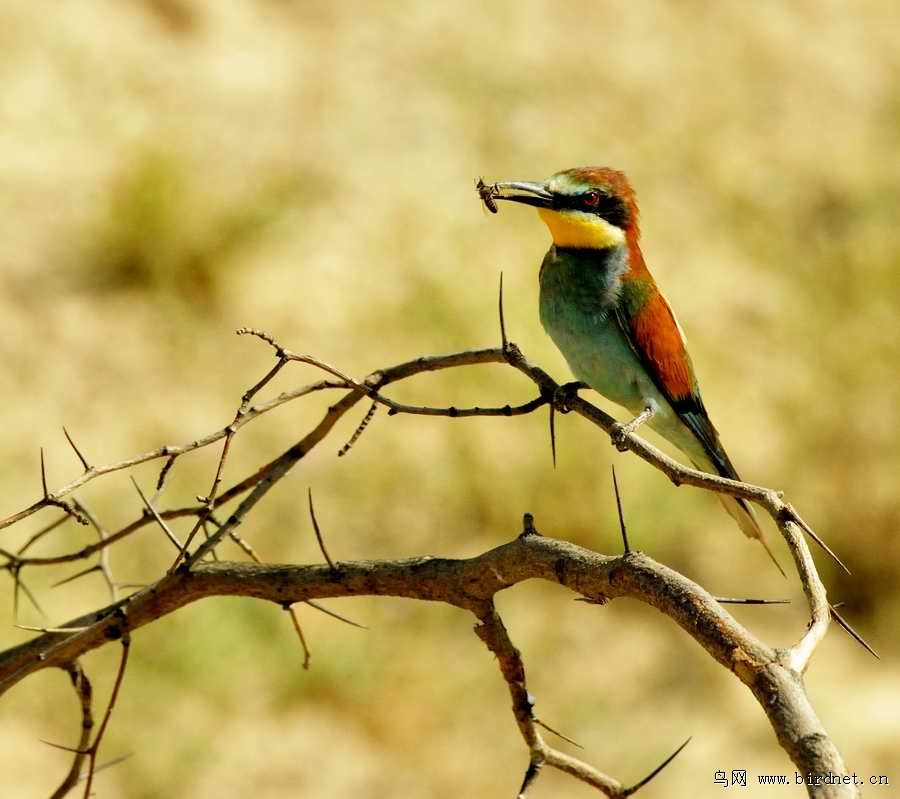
(578,297)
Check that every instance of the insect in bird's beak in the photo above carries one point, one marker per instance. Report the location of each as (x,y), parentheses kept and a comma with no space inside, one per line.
(487,194)
(525,192)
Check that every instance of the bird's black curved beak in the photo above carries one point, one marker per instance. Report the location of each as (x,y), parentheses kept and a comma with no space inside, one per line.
(523,192)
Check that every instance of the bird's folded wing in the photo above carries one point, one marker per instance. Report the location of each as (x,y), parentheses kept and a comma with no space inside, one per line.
(650,327)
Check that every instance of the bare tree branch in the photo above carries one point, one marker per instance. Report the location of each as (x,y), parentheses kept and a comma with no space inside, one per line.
(360,429)
(94,748)
(773,676)
(84,693)
(470,584)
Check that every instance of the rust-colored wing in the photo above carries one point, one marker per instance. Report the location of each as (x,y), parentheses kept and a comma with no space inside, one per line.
(648,324)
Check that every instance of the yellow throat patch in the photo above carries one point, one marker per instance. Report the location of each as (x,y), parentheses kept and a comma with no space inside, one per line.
(580,230)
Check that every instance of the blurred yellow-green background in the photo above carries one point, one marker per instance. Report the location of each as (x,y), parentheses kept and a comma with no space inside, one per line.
(172,170)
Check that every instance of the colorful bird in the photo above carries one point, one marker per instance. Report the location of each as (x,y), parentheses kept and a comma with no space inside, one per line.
(602,308)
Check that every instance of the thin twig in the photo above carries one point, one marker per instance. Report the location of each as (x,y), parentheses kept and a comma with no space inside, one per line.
(251,392)
(217,480)
(454,412)
(62,630)
(167,451)
(164,472)
(209,502)
(84,693)
(510,354)
(360,428)
(307,656)
(400,371)
(112,538)
(260,334)
(95,746)
(245,546)
(183,549)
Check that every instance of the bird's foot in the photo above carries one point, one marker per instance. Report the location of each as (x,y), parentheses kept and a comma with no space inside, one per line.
(620,432)
(564,394)
(618,435)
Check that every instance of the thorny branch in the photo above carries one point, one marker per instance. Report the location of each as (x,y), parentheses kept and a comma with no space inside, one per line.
(471,584)
(493,633)
(86,749)
(84,692)
(768,673)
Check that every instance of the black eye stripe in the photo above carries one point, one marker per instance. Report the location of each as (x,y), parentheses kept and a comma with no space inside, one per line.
(610,208)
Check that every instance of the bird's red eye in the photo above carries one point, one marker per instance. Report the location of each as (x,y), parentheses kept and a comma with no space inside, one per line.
(591,199)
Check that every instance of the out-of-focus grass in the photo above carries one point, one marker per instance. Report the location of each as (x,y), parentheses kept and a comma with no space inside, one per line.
(174,170)
(167,238)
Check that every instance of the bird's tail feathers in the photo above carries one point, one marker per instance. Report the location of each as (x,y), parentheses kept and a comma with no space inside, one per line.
(742,512)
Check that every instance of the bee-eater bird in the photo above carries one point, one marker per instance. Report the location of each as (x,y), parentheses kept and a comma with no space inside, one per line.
(602,308)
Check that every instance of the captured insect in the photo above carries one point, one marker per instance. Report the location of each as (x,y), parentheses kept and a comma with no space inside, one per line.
(487,194)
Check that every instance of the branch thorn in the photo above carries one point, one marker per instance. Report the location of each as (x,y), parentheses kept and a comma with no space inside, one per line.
(553,433)
(557,733)
(637,786)
(71,578)
(159,519)
(81,457)
(334,615)
(619,510)
(312,515)
(534,766)
(730,600)
(843,623)
(504,341)
(44,476)
(814,536)
(528,527)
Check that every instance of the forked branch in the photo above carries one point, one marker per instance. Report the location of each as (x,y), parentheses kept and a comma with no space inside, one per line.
(773,676)
(471,584)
